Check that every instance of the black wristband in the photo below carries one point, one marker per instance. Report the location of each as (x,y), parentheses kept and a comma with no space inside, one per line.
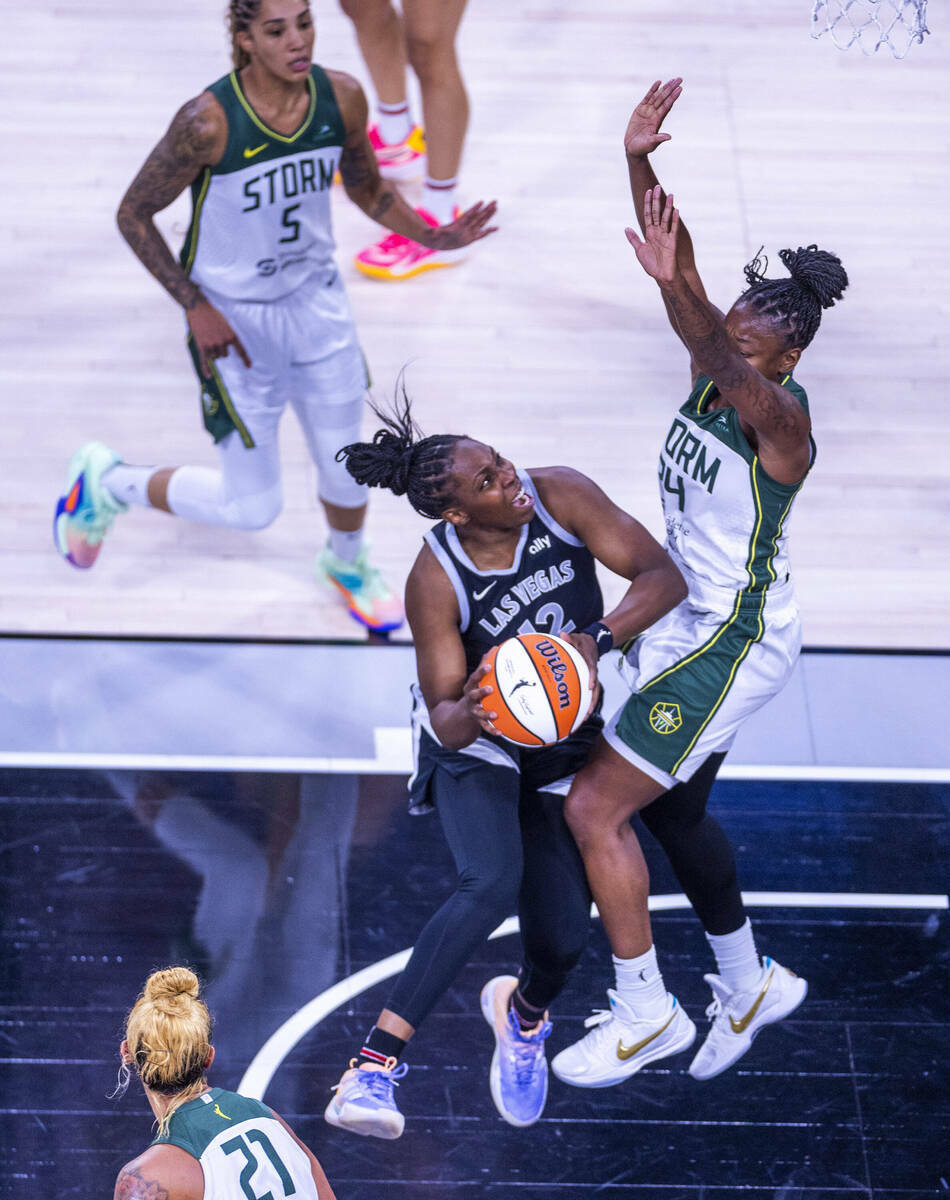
(603,638)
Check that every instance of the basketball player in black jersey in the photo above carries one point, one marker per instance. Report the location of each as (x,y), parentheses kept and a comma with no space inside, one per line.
(513,552)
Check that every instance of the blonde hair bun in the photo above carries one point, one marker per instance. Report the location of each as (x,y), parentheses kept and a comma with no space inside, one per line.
(170,983)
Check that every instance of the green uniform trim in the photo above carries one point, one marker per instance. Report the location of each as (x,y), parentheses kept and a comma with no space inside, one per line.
(196,1124)
(217,408)
(286,138)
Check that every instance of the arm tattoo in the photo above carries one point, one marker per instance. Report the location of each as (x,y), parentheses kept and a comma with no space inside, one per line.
(174,163)
(131,1186)
(382,206)
(356,168)
(705,336)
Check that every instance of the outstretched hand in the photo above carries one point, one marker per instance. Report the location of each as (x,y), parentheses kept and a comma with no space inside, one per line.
(469,227)
(643,129)
(656,251)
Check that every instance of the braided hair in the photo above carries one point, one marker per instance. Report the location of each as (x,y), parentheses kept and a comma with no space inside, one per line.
(240,15)
(401,459)
(817,280)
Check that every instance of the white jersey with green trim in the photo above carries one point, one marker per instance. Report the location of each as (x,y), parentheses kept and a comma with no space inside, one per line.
(244,1151)
(261,223)
(726,519)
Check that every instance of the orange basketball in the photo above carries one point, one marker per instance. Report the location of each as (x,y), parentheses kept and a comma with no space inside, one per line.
(541,689)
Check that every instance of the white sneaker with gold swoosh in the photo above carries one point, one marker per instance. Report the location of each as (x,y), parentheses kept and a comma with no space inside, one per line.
(738,1016)
(620,1043)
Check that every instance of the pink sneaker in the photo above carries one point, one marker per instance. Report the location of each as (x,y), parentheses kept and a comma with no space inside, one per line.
(401,160)
(397,257)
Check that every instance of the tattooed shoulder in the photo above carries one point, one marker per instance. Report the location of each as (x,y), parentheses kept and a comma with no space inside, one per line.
(132,1185)
(196,130)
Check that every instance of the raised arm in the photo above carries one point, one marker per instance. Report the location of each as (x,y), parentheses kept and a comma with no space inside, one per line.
(618,541)
(196,138)
(452,696)
(641,138)
(781,425)
(377,197)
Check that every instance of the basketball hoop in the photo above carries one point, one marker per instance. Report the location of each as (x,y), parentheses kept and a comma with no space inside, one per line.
(871,24)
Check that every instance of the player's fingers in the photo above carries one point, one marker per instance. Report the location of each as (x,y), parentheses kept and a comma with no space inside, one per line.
(632,237)
(667,215)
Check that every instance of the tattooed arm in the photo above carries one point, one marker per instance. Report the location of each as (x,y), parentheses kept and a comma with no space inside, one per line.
(377,197)
(161,1173)
(196,138)
(780,424)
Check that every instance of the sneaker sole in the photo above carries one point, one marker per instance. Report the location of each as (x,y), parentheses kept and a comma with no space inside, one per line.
(494,1072)
(388,276)
(357,615)
(779,1016)
(684,1043)
(369,1128)
(405,173)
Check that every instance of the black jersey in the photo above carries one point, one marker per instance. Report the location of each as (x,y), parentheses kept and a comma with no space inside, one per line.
(550,587)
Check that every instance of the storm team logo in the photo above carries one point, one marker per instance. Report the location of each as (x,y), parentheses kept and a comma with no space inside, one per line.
(665,717)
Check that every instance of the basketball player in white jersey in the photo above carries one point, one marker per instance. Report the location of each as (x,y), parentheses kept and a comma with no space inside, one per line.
(735,457)
(209,1142)
(268,318)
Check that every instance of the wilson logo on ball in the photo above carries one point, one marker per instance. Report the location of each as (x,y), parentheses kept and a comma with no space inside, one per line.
(541,689)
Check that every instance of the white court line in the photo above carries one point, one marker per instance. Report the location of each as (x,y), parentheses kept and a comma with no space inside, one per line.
(399,764)
(265,1063)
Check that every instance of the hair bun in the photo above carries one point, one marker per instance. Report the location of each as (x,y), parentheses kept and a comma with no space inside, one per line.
(819,271)
(170,983)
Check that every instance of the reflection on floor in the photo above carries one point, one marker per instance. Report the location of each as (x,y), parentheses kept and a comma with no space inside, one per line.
(274,887)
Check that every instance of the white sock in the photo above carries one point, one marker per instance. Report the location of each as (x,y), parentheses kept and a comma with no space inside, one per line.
(129,485)
(346,545)
(736,958)
(394,122)
(438,198)
(640,984)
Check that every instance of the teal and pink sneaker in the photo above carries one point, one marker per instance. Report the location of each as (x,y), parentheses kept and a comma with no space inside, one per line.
(403,160)
(86,510)
(369,599)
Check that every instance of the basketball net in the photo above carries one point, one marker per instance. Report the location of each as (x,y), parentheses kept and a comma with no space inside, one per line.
(871,24)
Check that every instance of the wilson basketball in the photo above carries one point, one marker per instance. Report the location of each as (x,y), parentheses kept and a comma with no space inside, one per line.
(541,689)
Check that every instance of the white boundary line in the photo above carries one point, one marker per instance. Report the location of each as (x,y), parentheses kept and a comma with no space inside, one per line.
(398,765)
(268,1059)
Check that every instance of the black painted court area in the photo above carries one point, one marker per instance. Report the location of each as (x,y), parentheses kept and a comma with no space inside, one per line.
(274,889)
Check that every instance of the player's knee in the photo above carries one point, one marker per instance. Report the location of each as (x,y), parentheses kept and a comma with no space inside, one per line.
(584,811)
(492,892)
(431,56)
(254,512)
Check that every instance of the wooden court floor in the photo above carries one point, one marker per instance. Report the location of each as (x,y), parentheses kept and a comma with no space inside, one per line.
(549,342)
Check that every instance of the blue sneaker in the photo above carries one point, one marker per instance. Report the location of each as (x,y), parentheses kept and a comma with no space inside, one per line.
(86,510)
(519,1068)
(363,1100)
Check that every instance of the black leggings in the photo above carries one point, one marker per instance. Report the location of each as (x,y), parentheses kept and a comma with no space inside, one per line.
(699,851)
(512,848)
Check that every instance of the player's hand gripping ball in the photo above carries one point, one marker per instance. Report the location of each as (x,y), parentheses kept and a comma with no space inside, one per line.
(541,689)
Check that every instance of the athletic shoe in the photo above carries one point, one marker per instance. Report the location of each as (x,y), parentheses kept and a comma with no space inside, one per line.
(738,1016)
(86,510)
(620,1043)
(368,597)
(519,1068)
(397,257)
(363,1100)
(403,160)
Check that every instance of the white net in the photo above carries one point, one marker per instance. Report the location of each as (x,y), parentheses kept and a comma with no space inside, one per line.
(871,24)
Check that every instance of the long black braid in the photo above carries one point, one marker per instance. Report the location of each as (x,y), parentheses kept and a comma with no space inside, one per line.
(817,280)
(401,459)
